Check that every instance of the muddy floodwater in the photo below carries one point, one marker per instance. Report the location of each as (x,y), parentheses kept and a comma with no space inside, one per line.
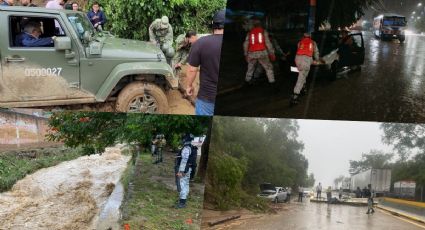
(70,195)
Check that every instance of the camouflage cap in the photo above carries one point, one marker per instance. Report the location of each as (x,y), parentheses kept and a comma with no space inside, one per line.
(164,22)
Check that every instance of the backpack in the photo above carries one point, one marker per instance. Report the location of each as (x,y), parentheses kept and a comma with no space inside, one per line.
(191,161)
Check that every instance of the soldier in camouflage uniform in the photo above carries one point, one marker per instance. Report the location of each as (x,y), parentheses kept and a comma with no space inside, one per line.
(258,48)
(159,143)
(161,34)
(183,44)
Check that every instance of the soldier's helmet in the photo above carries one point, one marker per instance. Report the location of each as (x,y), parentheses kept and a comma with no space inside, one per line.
(164,22)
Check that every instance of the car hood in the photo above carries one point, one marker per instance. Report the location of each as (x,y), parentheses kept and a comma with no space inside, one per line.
(267,187)
(130,49)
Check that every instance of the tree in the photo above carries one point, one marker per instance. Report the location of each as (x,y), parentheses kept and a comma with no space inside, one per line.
(95,131)
(310,180)
(131,19)
(407,140)
(374,159)
(338,180)
(339,13)
(267,147)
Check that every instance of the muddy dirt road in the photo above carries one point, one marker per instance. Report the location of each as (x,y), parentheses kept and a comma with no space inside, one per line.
(67,196)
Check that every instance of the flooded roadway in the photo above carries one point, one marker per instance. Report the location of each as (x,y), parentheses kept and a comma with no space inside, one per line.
(67,196)
(306,215)
(390,87)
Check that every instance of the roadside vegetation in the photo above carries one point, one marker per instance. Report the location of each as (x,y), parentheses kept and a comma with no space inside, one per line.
(16,164)
(246,152)
(407,161)
(151,196)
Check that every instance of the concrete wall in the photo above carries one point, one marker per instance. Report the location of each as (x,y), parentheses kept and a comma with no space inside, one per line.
(18,128)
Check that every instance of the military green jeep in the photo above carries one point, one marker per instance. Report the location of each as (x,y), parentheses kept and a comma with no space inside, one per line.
(80,66)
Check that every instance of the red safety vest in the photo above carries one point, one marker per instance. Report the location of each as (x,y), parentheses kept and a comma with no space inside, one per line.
(256,40)
(306,47)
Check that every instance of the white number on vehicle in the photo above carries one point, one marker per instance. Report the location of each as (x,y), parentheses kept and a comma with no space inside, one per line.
(43,72)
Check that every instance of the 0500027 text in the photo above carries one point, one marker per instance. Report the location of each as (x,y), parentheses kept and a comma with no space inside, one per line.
(42,72)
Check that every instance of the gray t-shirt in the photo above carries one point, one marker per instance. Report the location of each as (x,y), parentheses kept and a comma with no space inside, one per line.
(206,53)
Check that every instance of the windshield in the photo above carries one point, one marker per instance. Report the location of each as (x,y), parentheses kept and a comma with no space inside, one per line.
(394,21)
(80,24)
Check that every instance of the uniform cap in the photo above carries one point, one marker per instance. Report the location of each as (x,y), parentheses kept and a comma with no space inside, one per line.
(219,19)
(164,22)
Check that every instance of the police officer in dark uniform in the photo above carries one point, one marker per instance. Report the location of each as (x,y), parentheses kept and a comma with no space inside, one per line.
(184,165)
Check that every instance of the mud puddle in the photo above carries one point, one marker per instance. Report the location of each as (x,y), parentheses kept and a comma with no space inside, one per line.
(67,196)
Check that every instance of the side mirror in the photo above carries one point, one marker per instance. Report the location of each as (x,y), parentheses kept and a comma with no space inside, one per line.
(62,43)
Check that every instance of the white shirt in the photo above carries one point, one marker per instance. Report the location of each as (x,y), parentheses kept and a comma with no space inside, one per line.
(54,4)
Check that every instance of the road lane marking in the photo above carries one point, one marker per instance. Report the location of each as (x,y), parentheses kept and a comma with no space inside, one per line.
(403,219)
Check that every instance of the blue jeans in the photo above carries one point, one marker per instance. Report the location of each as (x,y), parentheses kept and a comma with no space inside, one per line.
(204,108)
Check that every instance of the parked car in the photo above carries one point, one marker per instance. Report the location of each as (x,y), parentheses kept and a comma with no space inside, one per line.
(308,192)
(273,193)
(328,44)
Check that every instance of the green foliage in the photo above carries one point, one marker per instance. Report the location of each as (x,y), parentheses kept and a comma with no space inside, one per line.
(131,19)
(310,180)
(374,159)
(15,165)
(150,201)
(225,175)
(268,149)
(95,131)
(92,131)
(407,140)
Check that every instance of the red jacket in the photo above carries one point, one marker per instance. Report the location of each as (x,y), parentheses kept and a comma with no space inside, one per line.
(306,47)
(257,40)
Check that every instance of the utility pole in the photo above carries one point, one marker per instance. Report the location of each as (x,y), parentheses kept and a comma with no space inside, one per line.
(312,16)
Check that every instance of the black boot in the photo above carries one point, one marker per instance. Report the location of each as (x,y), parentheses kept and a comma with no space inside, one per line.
(181,204)
(275,87)
(294,99)
(304,91)
(249,83)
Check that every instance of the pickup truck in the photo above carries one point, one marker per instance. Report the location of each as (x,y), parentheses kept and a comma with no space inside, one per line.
(81,67)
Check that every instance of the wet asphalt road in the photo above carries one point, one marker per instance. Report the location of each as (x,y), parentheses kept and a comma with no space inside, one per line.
(306,216)
(390,87)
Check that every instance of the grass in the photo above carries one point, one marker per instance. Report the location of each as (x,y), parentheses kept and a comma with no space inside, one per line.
(151,200)
(16,164)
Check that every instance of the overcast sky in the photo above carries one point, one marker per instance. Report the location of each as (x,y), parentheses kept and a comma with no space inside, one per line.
(329,145)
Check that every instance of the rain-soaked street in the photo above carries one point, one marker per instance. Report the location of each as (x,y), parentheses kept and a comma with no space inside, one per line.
(390,87)
(307,215)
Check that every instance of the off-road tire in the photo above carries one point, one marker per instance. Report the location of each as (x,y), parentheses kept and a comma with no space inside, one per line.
(138,89)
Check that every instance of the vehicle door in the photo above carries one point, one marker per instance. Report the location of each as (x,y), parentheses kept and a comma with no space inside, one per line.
(37,73)
(358,50)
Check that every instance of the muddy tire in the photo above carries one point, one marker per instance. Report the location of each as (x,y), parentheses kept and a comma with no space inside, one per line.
(142,97)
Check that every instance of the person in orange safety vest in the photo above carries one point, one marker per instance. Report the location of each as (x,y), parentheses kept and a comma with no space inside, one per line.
(307,52)
(258,48)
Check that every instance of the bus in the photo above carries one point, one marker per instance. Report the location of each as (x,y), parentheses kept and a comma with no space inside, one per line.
(390,26)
